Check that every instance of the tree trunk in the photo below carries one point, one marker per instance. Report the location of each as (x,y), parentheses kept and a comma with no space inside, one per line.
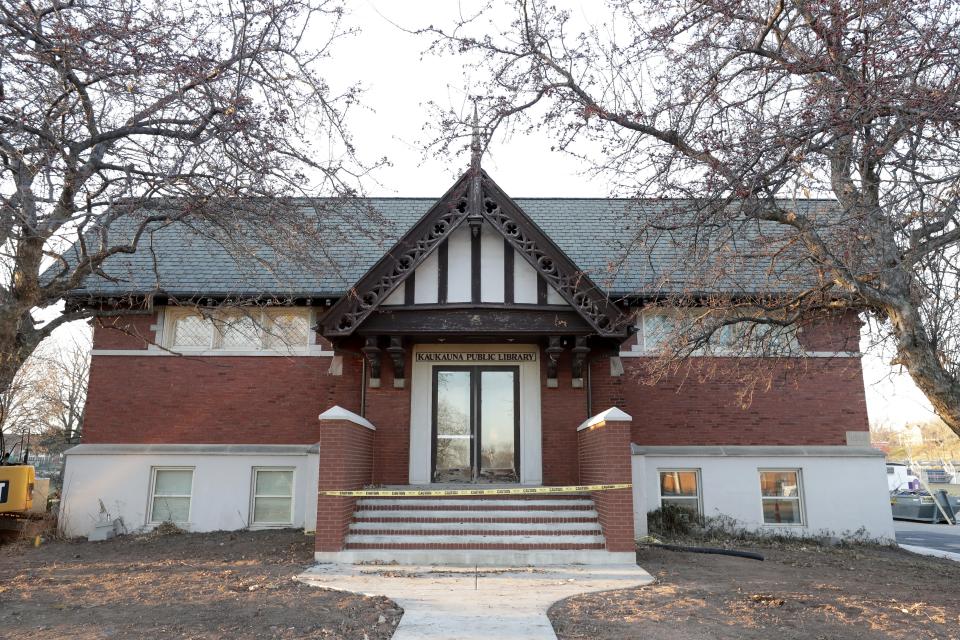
(918,354)
(18,340)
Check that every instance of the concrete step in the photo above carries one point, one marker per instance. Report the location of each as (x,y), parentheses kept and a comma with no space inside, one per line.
(475,541)
(504,527)
(480,557)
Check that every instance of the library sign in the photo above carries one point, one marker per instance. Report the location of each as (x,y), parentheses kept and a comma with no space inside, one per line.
(477,356)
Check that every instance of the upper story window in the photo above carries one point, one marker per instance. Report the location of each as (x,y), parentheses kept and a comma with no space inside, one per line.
(253,329)
(192,331)
(659,328)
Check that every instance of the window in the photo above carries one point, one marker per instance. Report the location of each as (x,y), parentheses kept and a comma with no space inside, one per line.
(272,496)
(239,331)
(287,328)
(191,330)
(661,326)
(253,329)
(780,494)
(658,328)
(170,492)
(681,487)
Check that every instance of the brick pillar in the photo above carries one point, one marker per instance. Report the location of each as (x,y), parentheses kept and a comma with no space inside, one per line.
(604,456)
(346,463)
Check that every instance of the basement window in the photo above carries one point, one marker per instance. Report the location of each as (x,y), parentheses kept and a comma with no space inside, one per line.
(272,497)
(781,496)
(681,488)
(171,490)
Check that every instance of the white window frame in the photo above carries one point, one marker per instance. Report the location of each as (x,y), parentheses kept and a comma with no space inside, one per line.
(216,318)
(699,497)
(253,497)
(799,498)
(151,495)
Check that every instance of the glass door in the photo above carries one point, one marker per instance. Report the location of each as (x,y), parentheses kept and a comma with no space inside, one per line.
(476,424)
(452,425)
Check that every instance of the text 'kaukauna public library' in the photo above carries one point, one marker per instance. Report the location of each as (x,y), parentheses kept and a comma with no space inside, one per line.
(470,341)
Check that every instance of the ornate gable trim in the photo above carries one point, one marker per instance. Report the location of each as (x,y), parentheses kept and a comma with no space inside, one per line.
(398,263)
(459,204)
(551,262)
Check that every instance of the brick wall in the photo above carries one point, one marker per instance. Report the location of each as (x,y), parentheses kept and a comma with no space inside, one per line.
(124,332)
(809,401)
(271,400)
(604,458)
(563,409)
(346,462)
(716,401)
(153,399)
(836,333)
(208,399)
(389,409)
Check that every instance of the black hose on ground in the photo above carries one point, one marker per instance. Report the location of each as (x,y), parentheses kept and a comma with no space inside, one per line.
(720,552)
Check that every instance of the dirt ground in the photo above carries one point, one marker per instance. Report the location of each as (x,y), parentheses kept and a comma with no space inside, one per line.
(816,593)
(240,585)
(217,585)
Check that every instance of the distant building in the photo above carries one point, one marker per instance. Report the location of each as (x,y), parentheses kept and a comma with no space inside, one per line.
(911,436)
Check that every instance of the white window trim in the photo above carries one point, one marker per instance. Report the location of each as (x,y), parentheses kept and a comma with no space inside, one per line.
(170,315)
(799,499)
(699,497)
(254,496)
(151,495)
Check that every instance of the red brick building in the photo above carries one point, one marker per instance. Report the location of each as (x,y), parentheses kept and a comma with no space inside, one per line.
(487,343)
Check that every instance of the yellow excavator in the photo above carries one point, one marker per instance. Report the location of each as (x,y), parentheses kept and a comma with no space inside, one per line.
(17,481)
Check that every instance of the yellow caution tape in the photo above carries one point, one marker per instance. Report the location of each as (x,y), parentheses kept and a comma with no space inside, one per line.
(397,493)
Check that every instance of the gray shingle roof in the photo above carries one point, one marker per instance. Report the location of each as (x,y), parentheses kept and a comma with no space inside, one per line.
(626,246)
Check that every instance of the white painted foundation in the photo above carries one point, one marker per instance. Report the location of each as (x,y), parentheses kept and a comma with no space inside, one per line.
(844,488)
(119,477)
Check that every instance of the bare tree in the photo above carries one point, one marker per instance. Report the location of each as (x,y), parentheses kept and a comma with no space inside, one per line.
(747,108)
(121,117)
(20,408)
(62,393)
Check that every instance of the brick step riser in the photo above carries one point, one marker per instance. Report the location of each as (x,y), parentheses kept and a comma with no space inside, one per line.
(530,498)
(473,532)
(466,547)
(586,519)
(478,507)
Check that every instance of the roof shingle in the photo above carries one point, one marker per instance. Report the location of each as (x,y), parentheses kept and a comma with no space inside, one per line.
(626,247)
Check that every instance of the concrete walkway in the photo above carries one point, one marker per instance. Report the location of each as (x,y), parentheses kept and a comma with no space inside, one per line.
(463,603)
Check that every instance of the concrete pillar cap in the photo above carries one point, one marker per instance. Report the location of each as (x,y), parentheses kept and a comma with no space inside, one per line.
(612,414)
(336,412)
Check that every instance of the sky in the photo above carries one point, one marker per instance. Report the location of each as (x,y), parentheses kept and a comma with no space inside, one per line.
(399,80)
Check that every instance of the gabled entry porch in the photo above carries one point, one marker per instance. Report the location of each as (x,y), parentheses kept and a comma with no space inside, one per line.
(464,324)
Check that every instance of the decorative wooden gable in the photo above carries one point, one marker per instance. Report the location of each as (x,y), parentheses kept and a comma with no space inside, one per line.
(475,250)
(471,267)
